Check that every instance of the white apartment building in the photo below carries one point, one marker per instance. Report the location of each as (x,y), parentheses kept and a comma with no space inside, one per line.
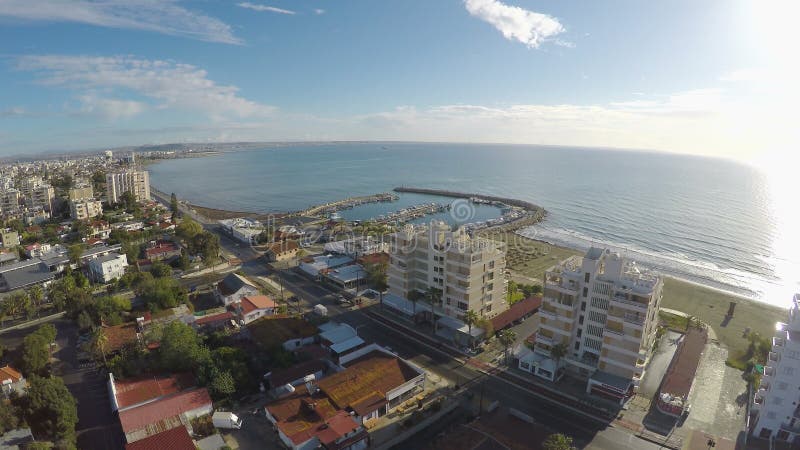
(134,181)
(41,196)
(470,272)
(777,401)
(603,308)
(85,209)
(9,201)
(108,267)
(80,192)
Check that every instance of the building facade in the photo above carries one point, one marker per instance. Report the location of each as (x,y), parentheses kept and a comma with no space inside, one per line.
(777,400)
(602,310)
(41,197)
(469,272)
(85,209)
(81,192)
(109,267)
(136,182)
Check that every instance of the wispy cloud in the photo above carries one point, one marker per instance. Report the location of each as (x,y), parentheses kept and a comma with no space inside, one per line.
(264,8)
(13,111)
(515,23)
(168,84)
(319,11)
(164,16)
(110,108)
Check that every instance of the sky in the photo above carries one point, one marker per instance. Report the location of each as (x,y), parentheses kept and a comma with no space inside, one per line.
(716,77)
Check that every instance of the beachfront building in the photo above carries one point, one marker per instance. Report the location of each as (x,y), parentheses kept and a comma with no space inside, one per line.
(136,182)
(243,229)
(601,311)
(469,272)
(777,401)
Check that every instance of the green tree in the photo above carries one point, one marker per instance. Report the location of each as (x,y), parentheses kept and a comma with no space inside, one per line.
(414,296)
(35,354)
(206,245)
(99,343)
(507,338)
(234,360)
(470,318)
(173,204)
(160,270)
(9,416)
(222,384)
(51,410)
(188,229)
(557,442)
(75,251)
(181,348)
(47,332)
(557,352)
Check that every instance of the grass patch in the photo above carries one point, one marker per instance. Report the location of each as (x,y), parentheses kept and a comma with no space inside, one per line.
(514,297)
(711,306)
(674,322)
(527,258)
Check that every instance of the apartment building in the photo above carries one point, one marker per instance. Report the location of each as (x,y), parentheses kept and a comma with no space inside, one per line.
(85,209)
(602,309)
(777,401)
(9,201)
(81,192)
(41,196)
(134,181)
(470,272)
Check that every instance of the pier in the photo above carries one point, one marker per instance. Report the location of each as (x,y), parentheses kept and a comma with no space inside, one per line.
(480,197)
(347,203)
(412,212)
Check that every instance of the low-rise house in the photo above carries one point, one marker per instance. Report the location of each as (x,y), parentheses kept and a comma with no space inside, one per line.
(99,229)
(107,268)
(673,394)
(315,266)
(358,247)
(162,250)
(282,250)
(346,277)
(516,313)
(233,287)
(215,321)
(289,332)
(12,380)
(254,307)
(339,339)
(37,249)
(130,225)
(278,380)
(307,420)
(243,230)
(373,383)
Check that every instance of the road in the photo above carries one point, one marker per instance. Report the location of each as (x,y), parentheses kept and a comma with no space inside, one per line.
(588,433)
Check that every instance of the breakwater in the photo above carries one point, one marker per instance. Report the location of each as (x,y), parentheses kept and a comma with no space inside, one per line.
(455,194)
(347,203)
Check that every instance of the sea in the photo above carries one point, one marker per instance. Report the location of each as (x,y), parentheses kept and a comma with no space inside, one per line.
(716,222)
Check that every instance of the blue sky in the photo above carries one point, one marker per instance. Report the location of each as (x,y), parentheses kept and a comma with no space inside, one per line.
(709,77)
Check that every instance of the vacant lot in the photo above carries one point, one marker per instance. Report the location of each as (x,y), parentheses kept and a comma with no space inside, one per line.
(528,258)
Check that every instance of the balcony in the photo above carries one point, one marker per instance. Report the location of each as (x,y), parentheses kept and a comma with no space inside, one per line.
(613,331)
(774,357)
(778,342)
(787,426)
(769,371)
(542,339)
(635,319)
(548,314)
(623,300)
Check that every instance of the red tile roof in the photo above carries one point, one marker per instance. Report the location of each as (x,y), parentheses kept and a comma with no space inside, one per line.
(175,439)
(251,303)
(160,249)
(132,392)
(151,414)
(9,373)
(215,318)
(283,246)
(516,312)
(680,374)
(302,417)
(366,378)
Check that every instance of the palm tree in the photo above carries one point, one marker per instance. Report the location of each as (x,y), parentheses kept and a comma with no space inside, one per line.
(434,296)
(100,342)
(507,338)
(414,297)
(470,318)
(557,352)
(36,295)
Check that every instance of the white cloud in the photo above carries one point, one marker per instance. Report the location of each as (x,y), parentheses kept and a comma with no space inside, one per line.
(13,111)
(169,84)
(161,16)
(319,11)
(110,108)
(256,7)
(515,23)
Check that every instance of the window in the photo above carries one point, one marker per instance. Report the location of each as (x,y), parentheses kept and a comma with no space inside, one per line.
(594,330)
(583,306)
(580,320)
(788,371)
(524,365)
(463,306)
(585,291)
(580,332)
(599,303)
(586,277)
(577,345)
(488,308)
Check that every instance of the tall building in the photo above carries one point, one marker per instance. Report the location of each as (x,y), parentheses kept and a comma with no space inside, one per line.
(9,201)
(81,192)
(85,209)
(470,272)
(777,400)
(602,309)
(41,196)
(29,184)
(134,181)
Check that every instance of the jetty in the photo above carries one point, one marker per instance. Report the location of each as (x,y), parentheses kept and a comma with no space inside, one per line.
(412,212)
(348,203)
(479,197)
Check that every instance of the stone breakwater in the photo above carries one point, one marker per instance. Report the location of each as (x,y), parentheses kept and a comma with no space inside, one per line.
(532,213)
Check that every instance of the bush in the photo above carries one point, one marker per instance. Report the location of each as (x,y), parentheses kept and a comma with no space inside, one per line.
(203,426)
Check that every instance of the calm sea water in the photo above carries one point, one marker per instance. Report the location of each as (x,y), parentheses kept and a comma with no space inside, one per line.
(711,221)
